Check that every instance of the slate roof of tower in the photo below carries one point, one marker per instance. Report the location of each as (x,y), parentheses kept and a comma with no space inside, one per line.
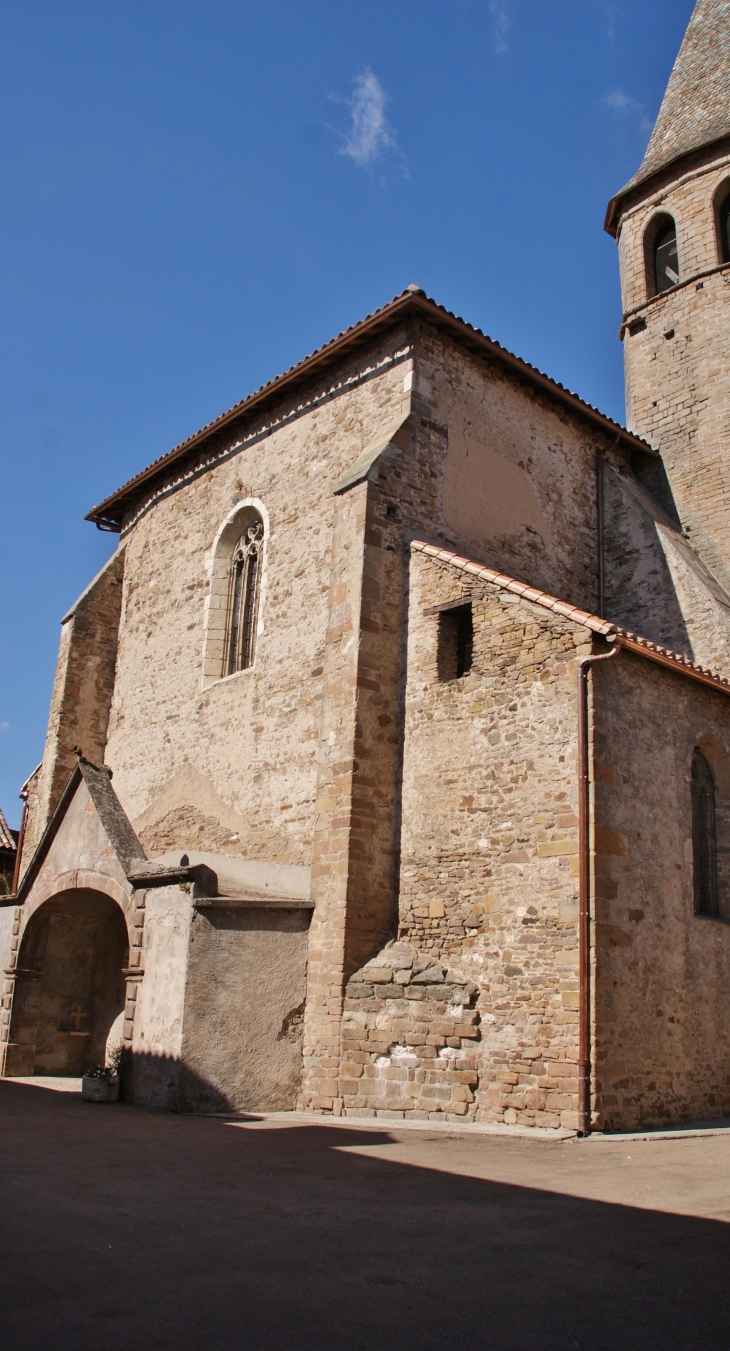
(695,109)
(413,303)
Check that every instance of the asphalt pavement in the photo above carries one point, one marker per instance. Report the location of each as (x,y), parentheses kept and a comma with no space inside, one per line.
(121,1228)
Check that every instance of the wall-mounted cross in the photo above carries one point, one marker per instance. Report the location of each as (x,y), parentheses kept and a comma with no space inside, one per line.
(77,1015)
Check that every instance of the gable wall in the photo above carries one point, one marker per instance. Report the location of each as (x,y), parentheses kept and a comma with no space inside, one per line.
(519,487)
(232,767)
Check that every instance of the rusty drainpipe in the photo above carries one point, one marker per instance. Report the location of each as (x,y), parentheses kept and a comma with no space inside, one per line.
(24,795)
(584,933)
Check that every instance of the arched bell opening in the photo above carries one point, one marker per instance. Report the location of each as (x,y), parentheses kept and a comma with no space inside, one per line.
(661,259)
(70,986)
(721,211)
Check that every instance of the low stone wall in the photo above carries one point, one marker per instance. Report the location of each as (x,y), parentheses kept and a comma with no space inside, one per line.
(421,1042)
(409,1037)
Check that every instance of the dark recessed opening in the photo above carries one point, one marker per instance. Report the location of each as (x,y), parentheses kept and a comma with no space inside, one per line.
(666,259)
(455,642)
(723,222)
(704,842)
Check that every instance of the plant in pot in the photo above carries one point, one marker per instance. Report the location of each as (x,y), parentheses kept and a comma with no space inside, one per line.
(102,1083)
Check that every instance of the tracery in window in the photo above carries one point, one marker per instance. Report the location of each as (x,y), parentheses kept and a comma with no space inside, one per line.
(704,839)
(243,597)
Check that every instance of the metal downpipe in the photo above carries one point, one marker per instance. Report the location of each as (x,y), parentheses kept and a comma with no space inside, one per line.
(584,933)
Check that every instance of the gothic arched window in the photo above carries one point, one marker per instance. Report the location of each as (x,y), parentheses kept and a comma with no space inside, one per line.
(704,841)
(723,223)
(665,256)
(243,597)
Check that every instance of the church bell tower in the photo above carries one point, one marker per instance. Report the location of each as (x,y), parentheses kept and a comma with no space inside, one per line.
(672,224)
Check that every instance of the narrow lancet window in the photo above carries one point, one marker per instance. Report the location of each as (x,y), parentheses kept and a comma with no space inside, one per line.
(723,223)
(243,597)
(704,843)
(666,258)
(455,642)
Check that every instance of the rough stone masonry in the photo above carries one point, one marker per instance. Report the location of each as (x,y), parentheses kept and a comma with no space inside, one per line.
(308,827)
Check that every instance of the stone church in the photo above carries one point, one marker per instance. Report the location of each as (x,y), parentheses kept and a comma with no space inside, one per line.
(387,770)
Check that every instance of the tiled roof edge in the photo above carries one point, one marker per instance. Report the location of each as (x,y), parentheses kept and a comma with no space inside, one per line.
(7,839)
(653,179)
(633,642)
(408,304)
(530,593)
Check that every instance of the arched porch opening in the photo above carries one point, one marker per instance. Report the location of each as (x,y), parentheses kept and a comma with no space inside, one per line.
(69,986)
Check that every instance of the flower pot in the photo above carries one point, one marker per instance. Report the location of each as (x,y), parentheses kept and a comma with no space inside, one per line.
(99,1090)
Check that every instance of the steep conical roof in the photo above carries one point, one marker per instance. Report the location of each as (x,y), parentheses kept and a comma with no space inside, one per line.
(695,110)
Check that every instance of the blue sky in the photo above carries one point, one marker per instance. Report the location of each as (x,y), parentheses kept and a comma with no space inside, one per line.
(196,193)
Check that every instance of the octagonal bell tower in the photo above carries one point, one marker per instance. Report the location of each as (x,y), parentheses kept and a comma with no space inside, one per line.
(672,224)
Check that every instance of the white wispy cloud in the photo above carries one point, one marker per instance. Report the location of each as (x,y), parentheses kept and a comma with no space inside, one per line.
(612,13)
(369,135)
(4,726)
(624,105)
(621,102)
(500,25)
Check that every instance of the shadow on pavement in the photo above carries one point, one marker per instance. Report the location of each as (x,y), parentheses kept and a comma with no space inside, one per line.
(125,1228)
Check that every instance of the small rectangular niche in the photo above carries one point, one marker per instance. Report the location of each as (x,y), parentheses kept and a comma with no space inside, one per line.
(455,641)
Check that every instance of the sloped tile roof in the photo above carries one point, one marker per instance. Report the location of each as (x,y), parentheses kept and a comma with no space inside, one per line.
(7,839)
(410,304)
(624,637)
(695,110)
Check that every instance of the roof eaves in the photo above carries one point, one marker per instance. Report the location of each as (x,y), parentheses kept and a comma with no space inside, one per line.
(651,180)
(625,638)
(521,589)
(408,305)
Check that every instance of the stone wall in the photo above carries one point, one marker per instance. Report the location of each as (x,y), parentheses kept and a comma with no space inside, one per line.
(412,489)
(231,766)
(662,995)
(655,583)
(67,949)
(252,793)
(473,1011)
(438,815)
(356,835)
(518,489)
(244,1008)
(10,922)
(409,1040)
(675,349)
(82,692)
